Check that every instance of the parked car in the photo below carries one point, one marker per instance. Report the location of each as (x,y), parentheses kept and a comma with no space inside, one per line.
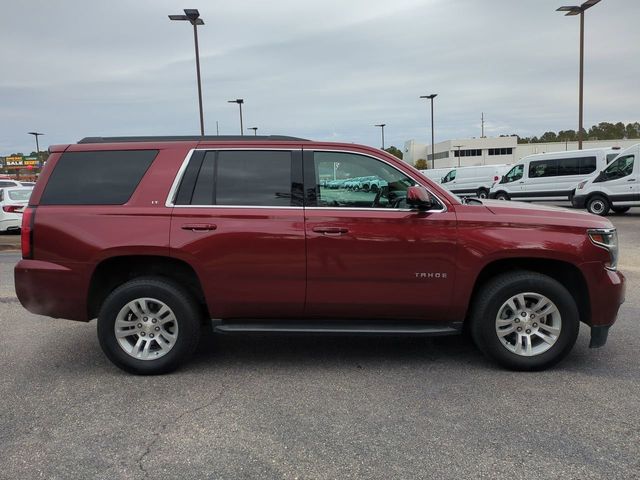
(616,187)
(12,203)
(551,176)
(473,181)
(156,236)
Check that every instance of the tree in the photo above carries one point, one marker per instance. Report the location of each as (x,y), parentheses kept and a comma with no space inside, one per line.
(394,151)
(421,164)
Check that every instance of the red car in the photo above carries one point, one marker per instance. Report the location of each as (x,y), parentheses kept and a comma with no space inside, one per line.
(157,236)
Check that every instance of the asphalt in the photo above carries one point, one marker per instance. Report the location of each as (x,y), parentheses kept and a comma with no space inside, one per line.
(318,408)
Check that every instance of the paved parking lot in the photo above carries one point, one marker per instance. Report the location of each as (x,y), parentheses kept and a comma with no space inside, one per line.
(308,407)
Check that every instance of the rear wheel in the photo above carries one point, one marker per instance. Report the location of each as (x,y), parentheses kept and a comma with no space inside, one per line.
(525,321)
(620,209)
(149,326)
(502,196)
(482,193)
(598,205)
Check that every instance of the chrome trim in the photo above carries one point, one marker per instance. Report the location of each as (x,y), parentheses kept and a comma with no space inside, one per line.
(444,205)
(174,187)
(185,162)
(237,206)
(176,181)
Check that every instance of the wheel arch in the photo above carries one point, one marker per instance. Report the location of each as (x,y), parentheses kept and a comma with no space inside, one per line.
(114,271)
(564,272)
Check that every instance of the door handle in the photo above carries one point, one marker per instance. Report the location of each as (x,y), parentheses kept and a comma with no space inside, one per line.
(631,180)
(522,181)
(199,227)
(330,230)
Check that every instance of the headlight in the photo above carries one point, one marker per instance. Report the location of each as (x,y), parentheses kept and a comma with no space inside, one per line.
(606,238)
(581,185)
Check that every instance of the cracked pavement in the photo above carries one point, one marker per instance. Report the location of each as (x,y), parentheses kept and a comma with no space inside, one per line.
(317,407)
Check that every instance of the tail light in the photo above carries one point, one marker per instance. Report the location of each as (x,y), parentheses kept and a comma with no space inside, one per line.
(12,208)
(28,217)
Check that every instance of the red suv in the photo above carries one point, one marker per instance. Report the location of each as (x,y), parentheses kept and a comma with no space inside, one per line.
(157,236)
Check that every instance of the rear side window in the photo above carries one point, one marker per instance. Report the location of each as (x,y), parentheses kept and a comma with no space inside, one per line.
(7,184)
(97,178)
(241,178)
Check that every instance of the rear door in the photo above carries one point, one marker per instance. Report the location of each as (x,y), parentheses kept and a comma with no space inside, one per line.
(238,219)
(369,256)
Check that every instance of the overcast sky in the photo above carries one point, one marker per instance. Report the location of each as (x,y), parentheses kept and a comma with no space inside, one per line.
(325,69)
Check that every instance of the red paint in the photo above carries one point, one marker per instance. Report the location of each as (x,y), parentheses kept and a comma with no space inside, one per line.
(295,262)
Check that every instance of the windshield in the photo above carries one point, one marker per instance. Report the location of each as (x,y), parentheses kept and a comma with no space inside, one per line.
(514,174)
(20,195)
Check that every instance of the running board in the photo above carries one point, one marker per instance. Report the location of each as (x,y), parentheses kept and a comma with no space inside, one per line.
(325,327)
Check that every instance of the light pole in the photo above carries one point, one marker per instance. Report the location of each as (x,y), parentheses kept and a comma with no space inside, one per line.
(382,125)
(193,16)
(239,101)
(458,147)
(255,131)
(579,10)
(36,134)
(433,146)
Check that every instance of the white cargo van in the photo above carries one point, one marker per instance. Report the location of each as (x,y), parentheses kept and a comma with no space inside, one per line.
(435,174)
(473,181)
(616,187)
(551,176)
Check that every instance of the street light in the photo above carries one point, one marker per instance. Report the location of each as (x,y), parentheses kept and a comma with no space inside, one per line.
(239,101)
(36,134)
(255,130)
(433,155)
(571,11)
(193,16)
(458,147)
(381,125)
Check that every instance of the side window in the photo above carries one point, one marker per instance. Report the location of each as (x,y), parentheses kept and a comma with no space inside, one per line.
(569,166)
(107,177)
(589,165)
(514,174)
(6,184)
(356,181)
(449,176)
(239,178)
(611,156)
(543,168)
(619,168)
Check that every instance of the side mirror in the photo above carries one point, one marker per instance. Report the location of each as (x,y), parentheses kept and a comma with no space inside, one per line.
(418,197)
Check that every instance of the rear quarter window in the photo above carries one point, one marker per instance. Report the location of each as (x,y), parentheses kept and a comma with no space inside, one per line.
(97,178)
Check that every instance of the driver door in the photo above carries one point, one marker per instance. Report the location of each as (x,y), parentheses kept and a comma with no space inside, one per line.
(368,255)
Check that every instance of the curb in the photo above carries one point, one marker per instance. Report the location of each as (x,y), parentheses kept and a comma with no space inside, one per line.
(9,248)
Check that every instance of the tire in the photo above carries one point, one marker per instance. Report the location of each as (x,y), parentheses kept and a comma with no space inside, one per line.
(173,320)
(482,193)
(502,196)
(620,209)
(492,313)
(598,205)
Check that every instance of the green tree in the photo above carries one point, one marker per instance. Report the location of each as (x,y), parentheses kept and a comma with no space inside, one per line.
(421,164)
(394,151)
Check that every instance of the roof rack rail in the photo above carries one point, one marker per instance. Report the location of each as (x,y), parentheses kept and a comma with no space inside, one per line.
(184,138)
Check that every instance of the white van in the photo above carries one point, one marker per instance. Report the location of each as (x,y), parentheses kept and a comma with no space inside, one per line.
(551,176)
(474,181)
(616,187)
(435,174)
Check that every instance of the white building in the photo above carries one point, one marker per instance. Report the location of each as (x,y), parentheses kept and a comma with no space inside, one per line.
(492,150)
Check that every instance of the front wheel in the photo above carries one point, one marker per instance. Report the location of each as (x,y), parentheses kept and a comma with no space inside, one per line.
(598,205)
(482,193)
(502,196)
(525,321)
(149,326)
